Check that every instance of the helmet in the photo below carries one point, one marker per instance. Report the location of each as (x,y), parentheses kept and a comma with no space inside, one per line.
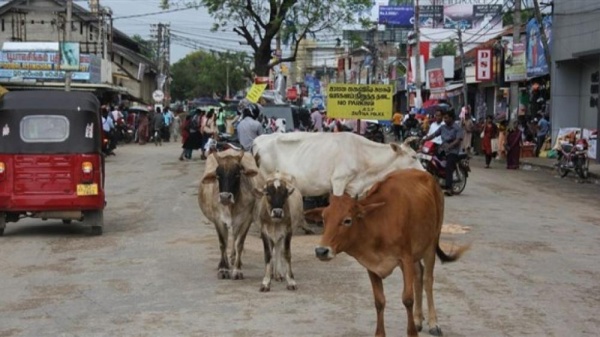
(251,110)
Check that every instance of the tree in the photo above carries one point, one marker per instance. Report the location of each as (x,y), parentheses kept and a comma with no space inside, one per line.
(146,46)
(203,74)
(444,48)
(260,21)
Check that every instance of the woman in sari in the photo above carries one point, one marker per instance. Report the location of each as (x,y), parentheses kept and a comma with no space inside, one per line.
(514,140)
(143,130)
(490,131)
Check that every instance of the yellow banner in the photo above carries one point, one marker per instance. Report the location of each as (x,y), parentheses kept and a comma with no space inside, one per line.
(255,92)
(360,101)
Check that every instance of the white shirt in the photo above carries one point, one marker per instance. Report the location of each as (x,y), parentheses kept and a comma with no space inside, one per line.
(116,114)
(432,129)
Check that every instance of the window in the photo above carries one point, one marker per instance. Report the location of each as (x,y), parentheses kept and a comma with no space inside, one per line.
(44,129)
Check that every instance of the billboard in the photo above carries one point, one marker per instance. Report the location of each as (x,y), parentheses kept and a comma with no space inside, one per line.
(69,55)
(45,66)
(536,59)
(514,59)
(480,15)
(400,16)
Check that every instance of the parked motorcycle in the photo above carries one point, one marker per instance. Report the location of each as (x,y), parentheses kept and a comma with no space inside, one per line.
(122,132)
(374,132)
(436,165)
(574,158)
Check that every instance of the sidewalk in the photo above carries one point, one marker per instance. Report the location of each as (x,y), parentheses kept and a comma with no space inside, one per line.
(549,164)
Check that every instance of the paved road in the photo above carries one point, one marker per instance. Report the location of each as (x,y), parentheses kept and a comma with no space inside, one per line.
(533,269)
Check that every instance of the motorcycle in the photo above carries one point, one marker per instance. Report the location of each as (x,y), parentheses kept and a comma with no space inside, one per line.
(436,165)
(415,132)
(225,141)
(122,132)
(574,158)
(374,132)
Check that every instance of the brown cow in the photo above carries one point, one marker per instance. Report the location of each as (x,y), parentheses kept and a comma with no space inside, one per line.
(226,197)
(398,223)
(279,212)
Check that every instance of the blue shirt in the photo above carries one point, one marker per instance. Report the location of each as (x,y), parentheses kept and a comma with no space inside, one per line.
(543,127)
(450,134)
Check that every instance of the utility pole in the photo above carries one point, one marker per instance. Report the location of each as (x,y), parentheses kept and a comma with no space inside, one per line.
(514,86)
(464,70)
(68,27)
(227,79)
(538,17)
(417,53)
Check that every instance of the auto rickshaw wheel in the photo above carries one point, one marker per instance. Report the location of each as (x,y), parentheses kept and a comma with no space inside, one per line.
(94,219)
(2,223)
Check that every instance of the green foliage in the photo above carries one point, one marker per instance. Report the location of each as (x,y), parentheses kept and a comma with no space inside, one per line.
(204,74)
(444,48)
(260,21)
(146,47)
(526,15)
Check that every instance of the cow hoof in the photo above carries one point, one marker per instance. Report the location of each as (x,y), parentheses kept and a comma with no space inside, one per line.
(223,274)
(278,278)
(436,331)
(419,327)
(292,287)
(264,288)
(238,275)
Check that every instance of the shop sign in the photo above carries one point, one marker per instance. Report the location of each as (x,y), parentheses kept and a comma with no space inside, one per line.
(483,65)
(42,66)
(437,83)
(360,101)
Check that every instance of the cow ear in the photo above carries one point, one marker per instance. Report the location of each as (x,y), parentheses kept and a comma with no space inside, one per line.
(290,190)
(315,214)
(396,147)
(209,178)
(364,210)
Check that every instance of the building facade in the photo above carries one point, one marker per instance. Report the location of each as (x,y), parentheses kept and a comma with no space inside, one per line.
(116,65)
(575,65)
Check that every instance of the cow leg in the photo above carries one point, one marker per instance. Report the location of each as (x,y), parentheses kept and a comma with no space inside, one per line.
(418,312)
(224,266)
(408,272)
(287,251)
(268,250)
(240,238)
(429,259)
(377,285)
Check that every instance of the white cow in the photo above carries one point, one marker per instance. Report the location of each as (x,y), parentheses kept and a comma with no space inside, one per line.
(323,163)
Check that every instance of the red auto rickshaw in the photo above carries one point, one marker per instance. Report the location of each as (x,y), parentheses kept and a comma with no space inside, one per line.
(51,163)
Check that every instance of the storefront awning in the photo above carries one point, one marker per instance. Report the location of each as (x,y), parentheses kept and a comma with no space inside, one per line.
(452,90)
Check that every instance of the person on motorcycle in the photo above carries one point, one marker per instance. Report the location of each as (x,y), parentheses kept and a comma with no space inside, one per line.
(452,136)
(410,123)
(435,125)
(249,128)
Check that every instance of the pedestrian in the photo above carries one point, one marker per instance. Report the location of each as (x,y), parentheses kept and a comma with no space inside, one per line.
(177,124)
(438,120)
(468,127)
(209,129)
(543,127)
(185,139)
(221,121)
(452,136)
(142,131)
(317,120)
(168,128)
(490,131)
(158,123)
(249,128)
(397,125)
(514,141)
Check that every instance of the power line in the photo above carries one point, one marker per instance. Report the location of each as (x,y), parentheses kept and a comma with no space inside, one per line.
(153,13)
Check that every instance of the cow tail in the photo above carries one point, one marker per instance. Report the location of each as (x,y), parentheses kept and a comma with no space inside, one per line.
(455,255)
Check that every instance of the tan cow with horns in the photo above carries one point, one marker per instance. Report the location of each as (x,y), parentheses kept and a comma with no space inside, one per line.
(226,197)
(397,224)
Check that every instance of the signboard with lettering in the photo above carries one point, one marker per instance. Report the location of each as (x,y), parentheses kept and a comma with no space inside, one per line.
(255,92)
(41,65)
(437,83)
(360,101)
(484,66)
(400,16)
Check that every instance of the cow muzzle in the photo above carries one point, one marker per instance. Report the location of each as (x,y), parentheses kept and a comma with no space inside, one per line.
(324,253)
(226,198)
(277,213)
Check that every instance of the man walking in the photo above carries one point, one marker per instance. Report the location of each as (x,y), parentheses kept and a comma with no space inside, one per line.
(317,120)
(542,133)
